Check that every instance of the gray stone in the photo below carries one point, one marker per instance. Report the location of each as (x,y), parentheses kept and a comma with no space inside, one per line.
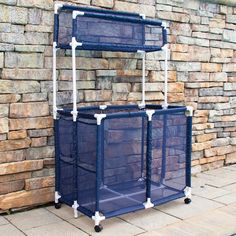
(34,16)
(27,74)
(36,38)
(4,109)
(211,92)
(29,48)
(20,60)
(229,86)
(229,35)
(8,86)
(35,133)
(13,38)
(8,2)
(32,97)
(188,66)
(39,153)
(231,18)
(220,142)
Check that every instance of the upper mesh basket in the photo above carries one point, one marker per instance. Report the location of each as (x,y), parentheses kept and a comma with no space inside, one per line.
(100,31)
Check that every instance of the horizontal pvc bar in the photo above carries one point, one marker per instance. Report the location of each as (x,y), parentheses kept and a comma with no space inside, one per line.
(122,18)
(86,9)
(112,47)
(123,211)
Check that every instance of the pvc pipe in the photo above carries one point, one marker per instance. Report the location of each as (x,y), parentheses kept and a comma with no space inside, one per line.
(74,112)
(166,77)
(54,77)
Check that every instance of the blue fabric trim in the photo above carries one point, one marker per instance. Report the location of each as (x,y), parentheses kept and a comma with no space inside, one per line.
(57,156)
(55,28)
(188,151)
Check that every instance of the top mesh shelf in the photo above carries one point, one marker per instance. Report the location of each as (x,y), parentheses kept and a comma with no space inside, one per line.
(108,30)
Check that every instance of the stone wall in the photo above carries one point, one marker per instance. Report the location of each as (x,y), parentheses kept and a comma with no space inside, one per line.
(202,73)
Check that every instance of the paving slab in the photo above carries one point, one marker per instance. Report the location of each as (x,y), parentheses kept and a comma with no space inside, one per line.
(65,212)
(230,187)
(181,229)
(149,219)
(33,218)
(230,209)
(10,230)
(111,227)
(180,210)
(217,181)
(226,199)
(3,221)
(56,229)
(209,192)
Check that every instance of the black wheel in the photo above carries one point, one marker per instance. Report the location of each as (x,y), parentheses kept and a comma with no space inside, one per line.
(98,228)
(57,205)
(187,200)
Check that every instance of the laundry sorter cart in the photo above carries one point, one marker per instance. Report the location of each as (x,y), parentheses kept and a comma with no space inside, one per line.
(115,159)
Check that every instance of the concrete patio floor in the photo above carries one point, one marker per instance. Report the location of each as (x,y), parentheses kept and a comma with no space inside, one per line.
(212,212)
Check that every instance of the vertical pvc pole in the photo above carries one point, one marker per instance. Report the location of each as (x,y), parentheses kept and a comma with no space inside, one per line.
(166,77)
(98,164)
(149,158)
(74,80)
(54,75)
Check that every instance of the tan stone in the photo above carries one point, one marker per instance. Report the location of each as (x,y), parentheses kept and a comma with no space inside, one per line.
(37,183)
(218,151)
(203,126)
(20,134)
(150,96)
(13,177)
(129,73)
(29,109)
(228,118)
(38,142)
(201,113)
(201,146)
(12,156)
(26,198)
(212,99)
(173,16)
(155,76)
(14,144)
(31,123)
(197,120)
(9,98)
(12,186)
(177,87)
(179,47)
(230,158)
(148,10)
(24,166)
(4,128)
(103,3)
(211,67)
(205,137)
(45,4)
(176,97)
(92,95)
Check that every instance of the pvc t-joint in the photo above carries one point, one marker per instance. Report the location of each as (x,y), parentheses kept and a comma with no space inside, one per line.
(99,118)
(149,114)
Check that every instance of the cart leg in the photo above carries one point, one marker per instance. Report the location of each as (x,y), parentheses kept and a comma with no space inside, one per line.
(187,192)
(57,203)
(97,219)
(75,207)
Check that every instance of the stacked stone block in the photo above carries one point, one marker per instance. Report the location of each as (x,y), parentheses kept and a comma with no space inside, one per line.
(202,73)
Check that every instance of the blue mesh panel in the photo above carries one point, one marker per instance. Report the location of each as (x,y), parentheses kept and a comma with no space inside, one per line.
(66,160)
(86,162)
(109,34)
(124,158)
(169,155)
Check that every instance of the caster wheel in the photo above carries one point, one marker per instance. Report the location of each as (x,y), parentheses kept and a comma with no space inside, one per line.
(57,205)
(98,228)
(187,200)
